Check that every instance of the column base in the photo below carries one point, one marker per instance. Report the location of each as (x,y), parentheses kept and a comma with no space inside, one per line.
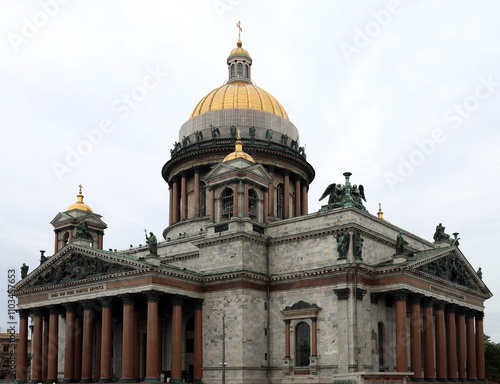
(86,381)
(413,378)
(462,379)
(472,380)
(128,380)
(429,379)
(49,381)
(177,381)
(20,381)
(442,379)
(67,381)
(104,381)
(151,380)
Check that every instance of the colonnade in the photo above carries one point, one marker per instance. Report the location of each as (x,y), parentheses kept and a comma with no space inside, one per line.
(453,339)
(85,361)
(179,197)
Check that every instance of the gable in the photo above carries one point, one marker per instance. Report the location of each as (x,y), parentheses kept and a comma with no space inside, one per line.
(450,265)
(72,264)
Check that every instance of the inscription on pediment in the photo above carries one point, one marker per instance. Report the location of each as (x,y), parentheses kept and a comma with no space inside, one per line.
(78,267)
(449,268)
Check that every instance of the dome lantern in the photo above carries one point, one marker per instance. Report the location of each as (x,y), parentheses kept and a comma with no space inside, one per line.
(239,62)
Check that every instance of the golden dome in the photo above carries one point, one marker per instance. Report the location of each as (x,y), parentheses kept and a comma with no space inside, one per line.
(79,203)
(238,152)
(239,94)
(238,49)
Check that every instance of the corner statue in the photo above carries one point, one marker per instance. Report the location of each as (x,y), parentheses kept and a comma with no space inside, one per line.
(439,235)
(152,243)
(344,195)
(400,244)
(24,270)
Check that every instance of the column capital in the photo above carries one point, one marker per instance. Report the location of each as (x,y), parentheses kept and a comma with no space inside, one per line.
(152,296)
(177,299)
(470,314)
(287,321)
(314,319)
(439,305)
(461,311)
(127,298)
(198,303)
(400,294)
(54,309)
(450,308)
(427,302)
(88,304)
(342,293)
(106,301)
(271,168)
(374,297)
(23,313)
(479,315)
(36,312)
(69,307)
(360,293)
(415,298)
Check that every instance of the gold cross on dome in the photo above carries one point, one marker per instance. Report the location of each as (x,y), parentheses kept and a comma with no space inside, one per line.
(240,29)
(80,186)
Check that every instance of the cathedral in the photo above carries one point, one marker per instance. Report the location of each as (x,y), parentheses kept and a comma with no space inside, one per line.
(247,285)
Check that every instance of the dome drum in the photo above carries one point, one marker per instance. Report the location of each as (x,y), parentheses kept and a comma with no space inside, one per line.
(239,117)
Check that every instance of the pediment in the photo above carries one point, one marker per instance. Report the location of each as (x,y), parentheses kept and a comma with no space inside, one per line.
(74,263)
(227,170)
(79,216)
(449,265)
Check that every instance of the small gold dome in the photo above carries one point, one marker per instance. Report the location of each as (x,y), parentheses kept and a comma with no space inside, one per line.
(79,203)
(239,49)
(239,94)
(238,152)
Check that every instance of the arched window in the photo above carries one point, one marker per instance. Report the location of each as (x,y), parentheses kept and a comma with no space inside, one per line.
(279,201)
(302,344)
(232,70)
(381,344)
(203,199)
(252,203)
(240,69)
(66,238)
(246,71)
(227,202)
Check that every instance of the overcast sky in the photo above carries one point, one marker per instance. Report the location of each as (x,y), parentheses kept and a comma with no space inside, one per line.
(404,95)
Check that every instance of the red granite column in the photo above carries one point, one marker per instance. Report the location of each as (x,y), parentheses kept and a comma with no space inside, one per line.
(471,346)
(88,317)
(401,338)
(77,364)
(265,208)
(212,204)
(99,241)
(152,342)
(286,196)
(22,348)
(56,243)
(481,373)
(196,192)
(287,338)
(128,339)
(170,205)
(297,197)
(198,341)
(160,341)
(245,200)
(415,337)
(235,199)
(106,340)
(305,207)
(461,343)
(176,339)
(36,346)
(271,192)
(428,339)
(184,198)
(137,343)
(314,343)
(69,343)
(175,193)
(451,342)
(98,349)
(441,373)
(52,356)
(45,345)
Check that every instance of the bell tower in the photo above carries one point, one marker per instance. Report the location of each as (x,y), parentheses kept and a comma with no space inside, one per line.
(78,225)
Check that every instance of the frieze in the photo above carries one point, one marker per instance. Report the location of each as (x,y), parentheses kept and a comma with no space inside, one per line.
(71,292)
(449,268)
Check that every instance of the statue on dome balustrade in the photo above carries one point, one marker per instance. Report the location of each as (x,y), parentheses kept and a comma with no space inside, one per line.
(185,141)
(215,131)
(198,135)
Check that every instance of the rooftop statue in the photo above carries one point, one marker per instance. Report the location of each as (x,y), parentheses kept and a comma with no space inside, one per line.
(439,235)
(24,270)
(400,244)
(152,243)
(344,195)
(81,231)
